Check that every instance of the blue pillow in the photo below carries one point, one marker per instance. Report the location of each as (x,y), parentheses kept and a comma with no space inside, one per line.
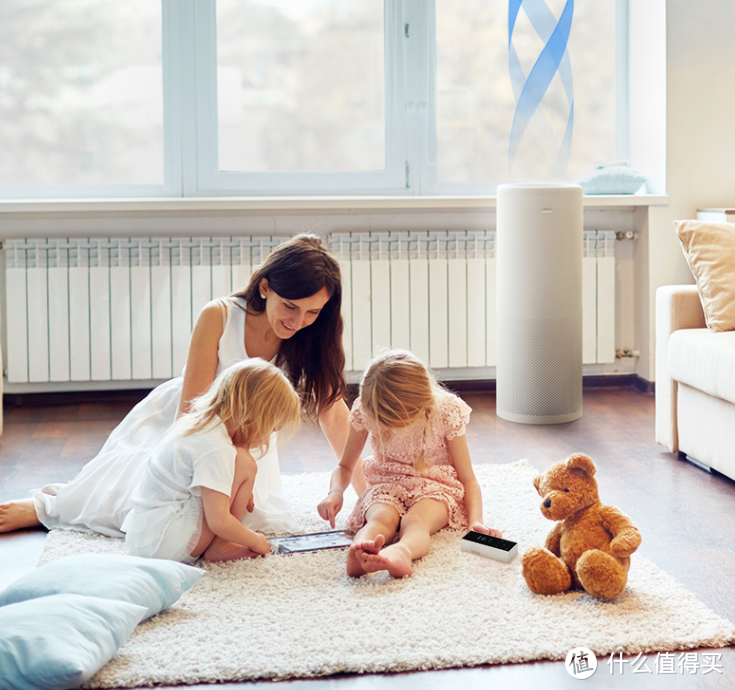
(615,178)
(61,641)
(155,584)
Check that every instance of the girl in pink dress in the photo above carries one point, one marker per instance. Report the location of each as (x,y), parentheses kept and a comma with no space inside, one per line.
(420,476)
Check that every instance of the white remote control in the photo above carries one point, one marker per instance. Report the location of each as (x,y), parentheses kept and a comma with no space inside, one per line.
(491,547)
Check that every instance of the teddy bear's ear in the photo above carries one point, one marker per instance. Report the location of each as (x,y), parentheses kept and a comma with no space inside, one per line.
(537,483)
(582,462)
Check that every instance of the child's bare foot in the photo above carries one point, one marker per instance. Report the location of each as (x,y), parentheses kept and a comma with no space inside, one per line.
(395,559)
(220,550)
(18,515)
(354,554)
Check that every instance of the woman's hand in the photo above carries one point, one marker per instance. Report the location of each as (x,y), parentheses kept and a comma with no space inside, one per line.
(484,529)
(330,506)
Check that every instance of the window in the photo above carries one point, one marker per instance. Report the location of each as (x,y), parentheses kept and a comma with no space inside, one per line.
(274,97)
(80,96)
(487,82)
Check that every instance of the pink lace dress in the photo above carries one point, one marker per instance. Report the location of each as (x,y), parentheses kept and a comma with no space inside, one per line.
(390,472)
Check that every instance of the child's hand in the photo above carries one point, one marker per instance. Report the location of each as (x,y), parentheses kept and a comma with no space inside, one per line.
(260,545)
(330,506)
(483,529)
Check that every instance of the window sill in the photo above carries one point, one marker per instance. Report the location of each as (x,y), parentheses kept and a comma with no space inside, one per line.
(236,205)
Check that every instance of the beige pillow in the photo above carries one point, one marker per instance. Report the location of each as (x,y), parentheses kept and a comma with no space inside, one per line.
(709,249)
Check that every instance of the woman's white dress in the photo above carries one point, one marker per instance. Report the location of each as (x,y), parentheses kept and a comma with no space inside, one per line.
(99,497)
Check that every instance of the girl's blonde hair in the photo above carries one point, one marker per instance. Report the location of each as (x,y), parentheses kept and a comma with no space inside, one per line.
(255,395)
(397,390)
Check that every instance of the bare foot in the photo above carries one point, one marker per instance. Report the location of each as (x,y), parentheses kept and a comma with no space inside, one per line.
(18,515)
(354,555)
(221,550)
(395,559)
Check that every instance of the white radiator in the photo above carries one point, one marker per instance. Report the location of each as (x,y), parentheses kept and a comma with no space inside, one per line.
(121,309)
(429,292)
(434,293)
(598,297)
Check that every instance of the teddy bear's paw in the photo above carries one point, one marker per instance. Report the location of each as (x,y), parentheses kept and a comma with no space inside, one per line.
(544,573)
(626,543)
(601,574)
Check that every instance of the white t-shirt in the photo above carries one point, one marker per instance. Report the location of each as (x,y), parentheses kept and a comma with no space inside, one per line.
(182,465)
(166,519)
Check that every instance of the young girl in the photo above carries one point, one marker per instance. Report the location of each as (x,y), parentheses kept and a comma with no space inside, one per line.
(420,477)
(198,483)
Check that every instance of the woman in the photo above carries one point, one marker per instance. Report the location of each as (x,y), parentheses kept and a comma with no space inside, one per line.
(290,314)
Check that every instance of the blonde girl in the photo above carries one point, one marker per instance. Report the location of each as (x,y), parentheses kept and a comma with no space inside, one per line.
(198,484)
(420,476)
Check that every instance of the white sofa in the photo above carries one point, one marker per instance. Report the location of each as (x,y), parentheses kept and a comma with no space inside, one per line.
(695,381)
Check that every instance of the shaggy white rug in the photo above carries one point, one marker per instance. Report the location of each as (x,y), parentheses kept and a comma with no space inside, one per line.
(299,615)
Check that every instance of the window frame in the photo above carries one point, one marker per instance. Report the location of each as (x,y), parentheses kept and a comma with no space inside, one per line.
(190,143)
(212,180)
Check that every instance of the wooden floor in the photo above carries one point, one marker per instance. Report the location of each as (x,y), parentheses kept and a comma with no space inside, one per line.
(686,515)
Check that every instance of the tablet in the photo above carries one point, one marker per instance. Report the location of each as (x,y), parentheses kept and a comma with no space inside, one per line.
(316,541)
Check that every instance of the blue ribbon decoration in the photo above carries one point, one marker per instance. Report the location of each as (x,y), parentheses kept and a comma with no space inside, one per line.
(530,91)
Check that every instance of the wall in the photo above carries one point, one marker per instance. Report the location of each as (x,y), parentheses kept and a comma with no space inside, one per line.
(700,139)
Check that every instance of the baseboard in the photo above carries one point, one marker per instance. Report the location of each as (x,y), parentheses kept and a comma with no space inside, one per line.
(619,381)
(128,395)
(135,395)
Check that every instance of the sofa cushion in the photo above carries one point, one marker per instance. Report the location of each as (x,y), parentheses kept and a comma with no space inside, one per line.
(709,249)
(705,360)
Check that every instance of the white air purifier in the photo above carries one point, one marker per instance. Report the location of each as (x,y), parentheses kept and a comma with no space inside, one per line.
(539,308)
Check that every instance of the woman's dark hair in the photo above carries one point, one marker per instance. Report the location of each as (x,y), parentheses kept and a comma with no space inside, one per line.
(313,358)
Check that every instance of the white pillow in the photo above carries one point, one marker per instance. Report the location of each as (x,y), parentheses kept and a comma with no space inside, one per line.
(612,178)
(155,584)
(61,641)
(709,249)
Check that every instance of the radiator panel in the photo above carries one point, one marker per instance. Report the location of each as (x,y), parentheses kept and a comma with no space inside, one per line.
(79,326)
(115,309)
(123,309)
(419,305)
(441,296)
(400,306)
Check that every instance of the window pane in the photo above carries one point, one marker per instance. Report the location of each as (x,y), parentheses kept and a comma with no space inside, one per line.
(476,103)
(80,92)
(300,85)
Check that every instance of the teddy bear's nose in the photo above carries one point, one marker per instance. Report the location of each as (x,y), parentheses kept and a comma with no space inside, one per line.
(547,503)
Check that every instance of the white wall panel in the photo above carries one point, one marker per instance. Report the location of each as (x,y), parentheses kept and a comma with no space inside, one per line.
(99,323)
(380,289)
(438,318)
(58,322)
(80,364)
(140,324)
(491,315)
(589,310)
(606,309)
(419,304)
(162,345)
(476,313)
(15,312)
(457,311)
(362,338)
(400,303)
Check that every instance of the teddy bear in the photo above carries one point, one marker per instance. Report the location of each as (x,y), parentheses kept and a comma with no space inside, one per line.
(590,545)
